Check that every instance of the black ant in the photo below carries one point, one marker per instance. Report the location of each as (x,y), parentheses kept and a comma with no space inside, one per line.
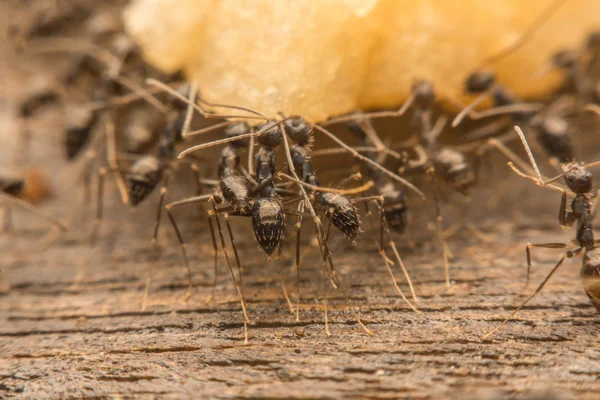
(267,211)
(339,208)
(578,68)
(579,180)
(554,132)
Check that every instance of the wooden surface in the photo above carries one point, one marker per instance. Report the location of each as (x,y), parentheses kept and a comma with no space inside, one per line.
(92,341)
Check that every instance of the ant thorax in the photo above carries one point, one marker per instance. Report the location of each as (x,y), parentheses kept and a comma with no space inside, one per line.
(578,178)
(236,191)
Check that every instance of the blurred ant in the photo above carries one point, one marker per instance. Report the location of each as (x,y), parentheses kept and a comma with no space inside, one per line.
(12,188)
(554,132)
(579,180)
(578,68)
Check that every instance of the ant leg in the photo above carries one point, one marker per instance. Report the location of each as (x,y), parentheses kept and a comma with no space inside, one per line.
(327,256)
(99,205)
(383,227)
(32,209)
(298,230)
(87,177)
(508,153)
(7,220)
(224,247)
(112,159)
(370,162)
(183,251)
(539,245)
(565,217)
(539,288)
(216,258)
(283,288)
(595,206)
(237,256)
(439,221)
(163,191)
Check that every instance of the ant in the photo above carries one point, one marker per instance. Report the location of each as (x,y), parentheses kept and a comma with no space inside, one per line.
(441,162)
(578,69)
(12,188)
(579,180)
(339,208)
(554,132)
(266,209)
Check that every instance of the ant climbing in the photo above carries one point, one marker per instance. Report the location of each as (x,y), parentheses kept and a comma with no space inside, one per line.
(578,180)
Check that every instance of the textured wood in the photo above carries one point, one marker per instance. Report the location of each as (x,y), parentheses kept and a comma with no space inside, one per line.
(92,341)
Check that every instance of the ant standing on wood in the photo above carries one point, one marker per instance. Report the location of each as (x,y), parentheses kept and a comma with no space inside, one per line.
(579,180)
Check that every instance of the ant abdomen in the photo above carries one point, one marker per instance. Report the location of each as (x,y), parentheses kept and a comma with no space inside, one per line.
(268,223)
(453,168)
(143,178)
(590,276)
(394,207)
(236,190)
(78,134)
(555,137)
(345,214)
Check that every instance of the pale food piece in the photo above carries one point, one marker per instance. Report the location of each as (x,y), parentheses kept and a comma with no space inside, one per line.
(321,58)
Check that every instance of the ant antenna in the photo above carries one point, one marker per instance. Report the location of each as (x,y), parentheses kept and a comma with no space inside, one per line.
(374,114)
(228,140)
(371,162)
(205,114)
(140,91)
(468,109)
(542,18)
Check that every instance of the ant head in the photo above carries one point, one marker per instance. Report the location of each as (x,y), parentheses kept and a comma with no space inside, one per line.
(564,59)
(299,130)
(424,94)
(578,179)
(268,223)
(271,136)
(480,81)
(593,41)
(237,129)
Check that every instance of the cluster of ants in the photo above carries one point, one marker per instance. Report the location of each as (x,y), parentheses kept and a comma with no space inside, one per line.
(268,192)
